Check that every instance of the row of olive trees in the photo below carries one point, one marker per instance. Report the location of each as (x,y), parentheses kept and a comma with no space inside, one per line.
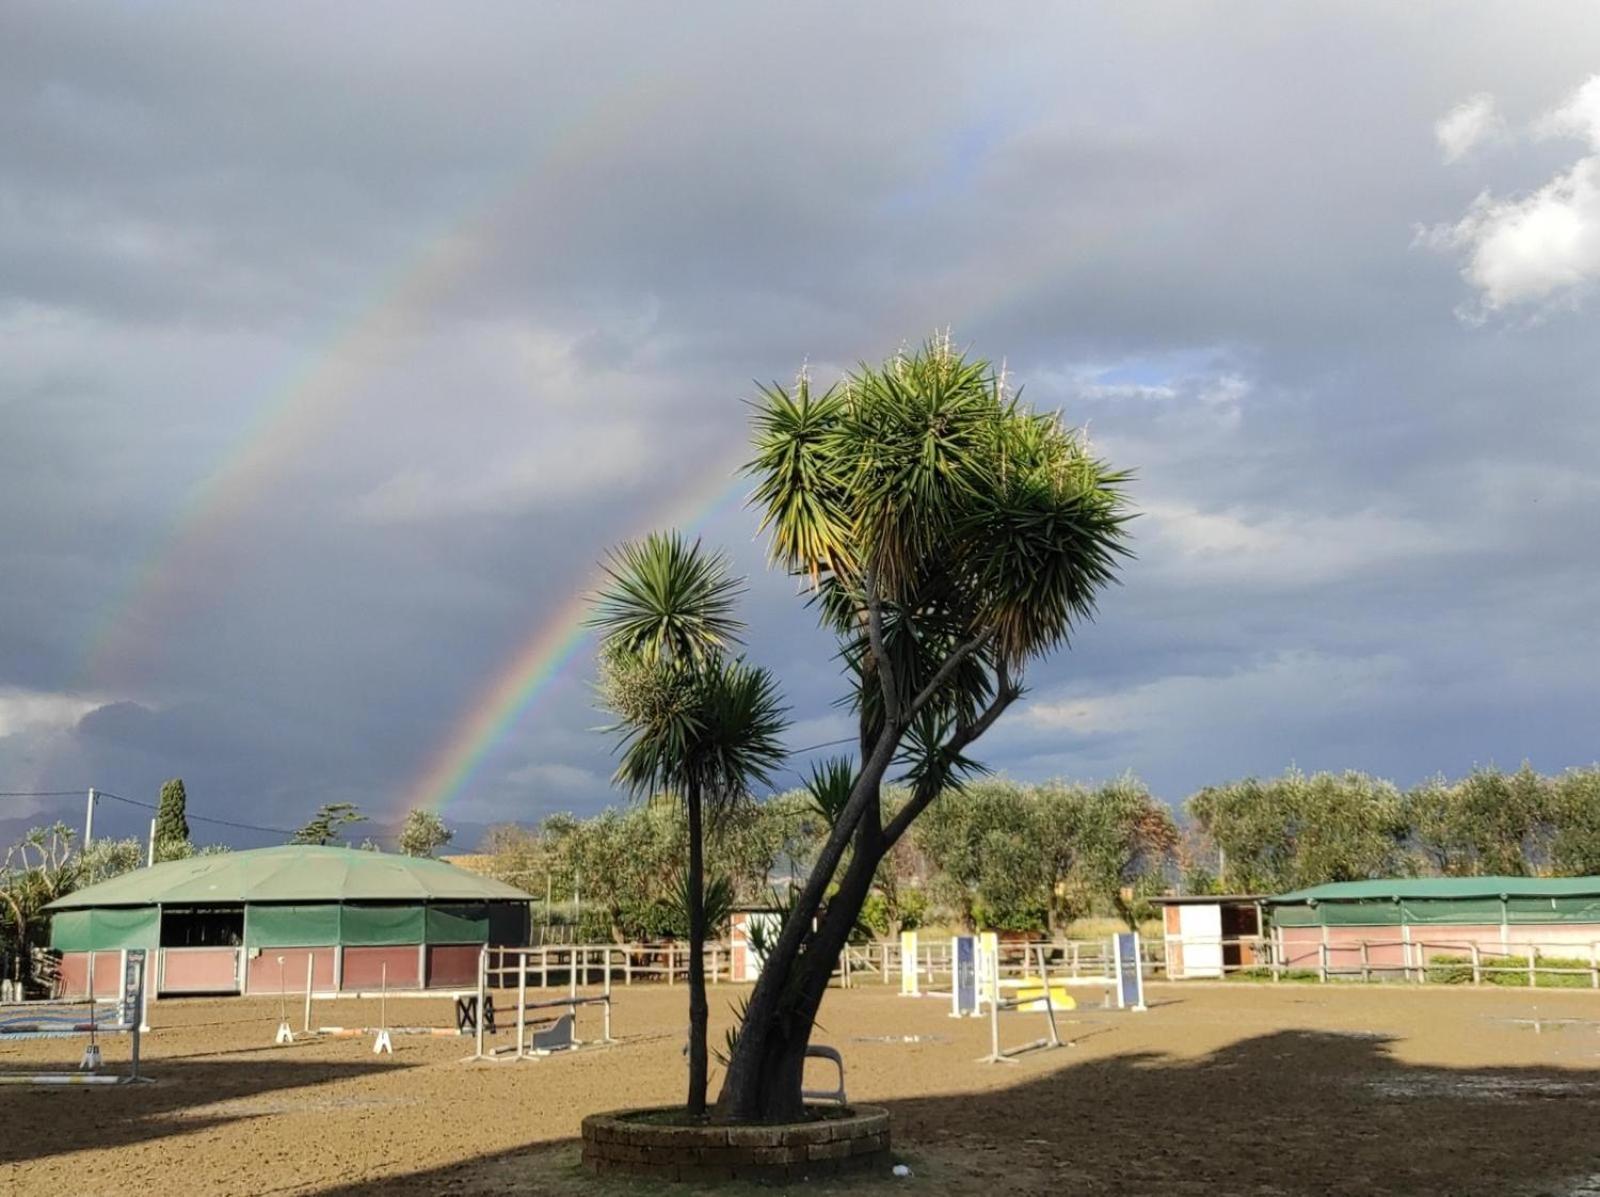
(1034,858)
(1298,830)
(619,874)
(998,854)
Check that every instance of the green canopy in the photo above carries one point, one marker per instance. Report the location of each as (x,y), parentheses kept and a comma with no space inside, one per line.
(293,873)
(1403,889)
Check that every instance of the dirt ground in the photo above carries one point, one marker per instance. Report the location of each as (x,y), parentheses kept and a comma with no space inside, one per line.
(1252,1089)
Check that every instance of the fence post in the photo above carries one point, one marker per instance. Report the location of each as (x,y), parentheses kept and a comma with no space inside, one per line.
(1322,961)
(1594,968)
(522,1000)
(1477,963)
(627,964)
(1533,966)
(1366,961)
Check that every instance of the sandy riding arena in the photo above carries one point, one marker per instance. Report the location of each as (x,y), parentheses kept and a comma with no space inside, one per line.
(1217,1089)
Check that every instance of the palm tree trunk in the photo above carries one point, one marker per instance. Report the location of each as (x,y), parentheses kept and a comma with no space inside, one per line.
(772,1091)
(699,1008)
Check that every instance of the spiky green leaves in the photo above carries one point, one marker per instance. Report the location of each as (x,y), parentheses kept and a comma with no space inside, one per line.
(687,714)
(967,517)
(667,599)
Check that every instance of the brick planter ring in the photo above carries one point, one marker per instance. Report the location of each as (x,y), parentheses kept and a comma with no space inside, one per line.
(623,1142)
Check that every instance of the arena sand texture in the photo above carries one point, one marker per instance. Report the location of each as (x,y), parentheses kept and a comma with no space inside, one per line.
(1218,1089)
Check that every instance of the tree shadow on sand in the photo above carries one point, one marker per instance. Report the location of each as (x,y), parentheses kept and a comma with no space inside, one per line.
(41,1121)
(1292,1112)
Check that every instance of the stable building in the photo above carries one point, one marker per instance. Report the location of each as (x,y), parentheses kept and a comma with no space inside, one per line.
(253,922)
(1402,923)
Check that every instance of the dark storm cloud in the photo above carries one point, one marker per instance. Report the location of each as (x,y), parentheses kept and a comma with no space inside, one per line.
(526,263)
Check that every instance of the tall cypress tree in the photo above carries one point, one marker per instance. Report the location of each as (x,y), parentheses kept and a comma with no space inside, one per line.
(172,818)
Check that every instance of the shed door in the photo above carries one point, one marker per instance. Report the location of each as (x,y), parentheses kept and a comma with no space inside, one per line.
(1201,928)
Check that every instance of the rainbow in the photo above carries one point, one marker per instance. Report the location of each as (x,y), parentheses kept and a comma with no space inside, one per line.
(302,402)
(533,669)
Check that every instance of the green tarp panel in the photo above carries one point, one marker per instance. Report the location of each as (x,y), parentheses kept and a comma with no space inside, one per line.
(458,923)
(105,929)
(1294,916)
(1471,911)
(273,926)
(70,930)
(1359,914)
(373,925)
(1553,910)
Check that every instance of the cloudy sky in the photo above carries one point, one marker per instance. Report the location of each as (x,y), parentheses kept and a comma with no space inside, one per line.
(335,344)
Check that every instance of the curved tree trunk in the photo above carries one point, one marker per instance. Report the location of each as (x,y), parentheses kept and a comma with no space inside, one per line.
(771,1090)
(699,1008)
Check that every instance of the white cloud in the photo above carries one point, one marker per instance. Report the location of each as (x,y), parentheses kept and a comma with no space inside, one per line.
(549,472)
(1471,123)
(1293,551)
(36,711)
(1293,684)
(1579,117)
(1544,246)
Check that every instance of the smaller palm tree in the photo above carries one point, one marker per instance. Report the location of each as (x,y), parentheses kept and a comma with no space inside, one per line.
(692,720)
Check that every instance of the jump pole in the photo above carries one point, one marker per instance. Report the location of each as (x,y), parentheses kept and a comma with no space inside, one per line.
(522,1000)
(285,1035)
(91,1054)
(382,1043)
(311,959)
(483,991)
(1049,1001)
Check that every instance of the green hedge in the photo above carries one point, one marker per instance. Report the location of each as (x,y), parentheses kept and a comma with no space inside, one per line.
(1457,970)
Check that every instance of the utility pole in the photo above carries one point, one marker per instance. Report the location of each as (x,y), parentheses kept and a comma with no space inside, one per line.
(151,858)
(88,819)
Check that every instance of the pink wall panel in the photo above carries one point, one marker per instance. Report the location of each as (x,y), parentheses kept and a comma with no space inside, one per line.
(363,967)
(200,970)
(452,966)
(262,974)
(73,975)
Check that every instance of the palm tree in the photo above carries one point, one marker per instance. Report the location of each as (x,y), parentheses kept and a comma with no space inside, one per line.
(950,537)
(691,720)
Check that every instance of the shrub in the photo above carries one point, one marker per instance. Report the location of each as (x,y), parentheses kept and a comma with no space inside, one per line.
(1510,971)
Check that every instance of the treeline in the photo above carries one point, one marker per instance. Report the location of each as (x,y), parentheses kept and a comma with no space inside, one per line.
(1299,830)
(996,854)
(1034,858)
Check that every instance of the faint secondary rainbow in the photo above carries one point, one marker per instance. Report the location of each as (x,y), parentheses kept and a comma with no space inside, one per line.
(538,664)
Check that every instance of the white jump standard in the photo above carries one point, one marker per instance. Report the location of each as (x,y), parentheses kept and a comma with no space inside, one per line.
(55,1024)
(549,1033)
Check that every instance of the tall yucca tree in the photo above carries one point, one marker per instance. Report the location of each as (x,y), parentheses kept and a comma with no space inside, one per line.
(951,536)
(692,720)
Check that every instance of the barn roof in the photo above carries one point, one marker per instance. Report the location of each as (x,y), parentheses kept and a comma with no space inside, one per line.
(292,873)
(1399,889)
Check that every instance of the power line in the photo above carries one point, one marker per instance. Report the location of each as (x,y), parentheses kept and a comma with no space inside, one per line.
(44,793)
(824,744)
(199,818)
